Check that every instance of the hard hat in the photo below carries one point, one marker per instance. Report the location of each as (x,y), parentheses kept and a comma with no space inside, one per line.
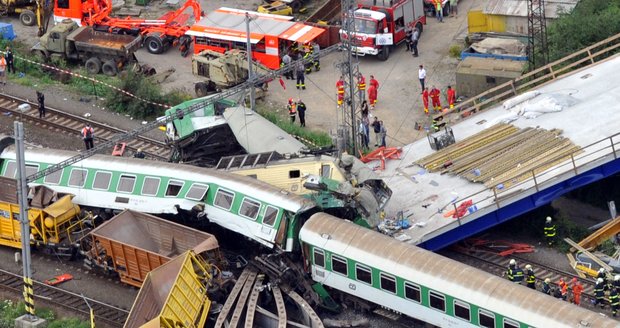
(601,270)
(513,262)
(599,280)
(617,277)
(290,100)
(139,150)
(528,267)
(574,280)
(548,219)
(547,280)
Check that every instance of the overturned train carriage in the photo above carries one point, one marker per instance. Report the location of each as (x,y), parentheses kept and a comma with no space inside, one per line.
(255,209)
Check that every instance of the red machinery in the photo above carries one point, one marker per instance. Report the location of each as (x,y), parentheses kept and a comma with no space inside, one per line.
(380,24)
(158,34)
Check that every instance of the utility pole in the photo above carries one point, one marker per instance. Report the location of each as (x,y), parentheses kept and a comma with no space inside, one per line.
(248,19)
(22,195)
(537,34)
(349,70)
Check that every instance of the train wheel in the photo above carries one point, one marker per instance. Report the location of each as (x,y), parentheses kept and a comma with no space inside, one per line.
(154,44)
(109,68)
(28,18)
(93,65)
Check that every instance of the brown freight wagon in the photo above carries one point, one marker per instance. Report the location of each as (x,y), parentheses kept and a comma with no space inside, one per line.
(135,243)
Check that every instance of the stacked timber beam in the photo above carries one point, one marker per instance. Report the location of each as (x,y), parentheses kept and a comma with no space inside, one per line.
(502,155)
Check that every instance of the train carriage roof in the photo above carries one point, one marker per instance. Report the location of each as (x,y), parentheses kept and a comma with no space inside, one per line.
(252,187)
(443,274)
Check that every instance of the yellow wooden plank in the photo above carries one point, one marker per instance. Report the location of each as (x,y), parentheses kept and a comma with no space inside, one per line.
(604,233)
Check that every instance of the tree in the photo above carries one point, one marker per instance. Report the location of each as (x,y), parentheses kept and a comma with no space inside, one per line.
(589,22)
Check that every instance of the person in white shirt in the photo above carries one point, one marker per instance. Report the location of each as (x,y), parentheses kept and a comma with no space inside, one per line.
(422,76)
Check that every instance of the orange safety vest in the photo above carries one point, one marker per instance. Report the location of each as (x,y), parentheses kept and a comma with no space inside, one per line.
(2,63)
(85,131)
(340,87)
(292,109)
(361,83)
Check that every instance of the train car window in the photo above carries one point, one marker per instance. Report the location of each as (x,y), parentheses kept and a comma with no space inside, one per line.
(224,199)
(102,180)
(438,301)
(31,169)
(486,318)
(150,186)
(53,178)
(271,214)
(126,183)
(412,292)
(11,167)
(292,174)
(363,274)
(174,187)
(319,257)
(339,265)
(326,171)
(197,191)
(249,209)
(77,178)
(509,323)
(388,283)
(461,310)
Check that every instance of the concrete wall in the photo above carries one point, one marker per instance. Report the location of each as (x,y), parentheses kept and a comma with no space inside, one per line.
(469,85)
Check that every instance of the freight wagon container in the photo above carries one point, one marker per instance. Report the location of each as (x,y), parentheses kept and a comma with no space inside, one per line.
(173,294)
(134,243)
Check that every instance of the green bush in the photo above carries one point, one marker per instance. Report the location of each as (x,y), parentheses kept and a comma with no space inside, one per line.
(143,88)
(455,51)
(9,311)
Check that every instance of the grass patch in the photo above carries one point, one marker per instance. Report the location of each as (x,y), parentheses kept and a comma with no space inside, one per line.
(315,138)
(9,311)
(455,51)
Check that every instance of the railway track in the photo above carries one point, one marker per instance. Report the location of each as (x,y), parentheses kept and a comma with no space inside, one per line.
(57,120)
(104,313)
(496,264)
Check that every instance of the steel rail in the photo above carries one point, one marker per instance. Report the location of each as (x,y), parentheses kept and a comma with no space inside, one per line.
(58,120)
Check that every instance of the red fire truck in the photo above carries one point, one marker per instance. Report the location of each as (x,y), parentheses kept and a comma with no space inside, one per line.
(381,24)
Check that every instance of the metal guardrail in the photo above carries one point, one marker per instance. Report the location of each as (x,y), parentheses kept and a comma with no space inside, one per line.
(543,75)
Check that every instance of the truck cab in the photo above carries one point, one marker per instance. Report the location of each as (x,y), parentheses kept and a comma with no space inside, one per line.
(380,24)
(54,42)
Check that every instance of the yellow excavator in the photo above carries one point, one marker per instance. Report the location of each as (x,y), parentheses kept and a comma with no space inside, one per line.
(30,12)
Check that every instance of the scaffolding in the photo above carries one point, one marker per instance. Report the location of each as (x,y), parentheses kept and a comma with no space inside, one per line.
(347,134)
(538,49)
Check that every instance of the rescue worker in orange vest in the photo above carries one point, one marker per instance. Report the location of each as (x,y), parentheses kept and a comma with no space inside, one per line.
(451,96)
(88,134)
(361,86)
(3,71)
(425,100)
(563,288)
(340,91)
(577,290)
(375,84)
(372,96)
(435,93)
(292,109)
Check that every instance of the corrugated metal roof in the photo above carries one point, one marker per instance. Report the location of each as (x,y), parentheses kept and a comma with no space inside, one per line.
(235,22)
(519,7)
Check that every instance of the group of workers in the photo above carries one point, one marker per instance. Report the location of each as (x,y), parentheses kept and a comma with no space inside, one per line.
(307,57)
(563,291)
(297,108)
(373,88)
(434,94)
(611,287)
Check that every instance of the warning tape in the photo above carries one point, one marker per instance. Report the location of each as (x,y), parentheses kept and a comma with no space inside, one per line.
(66,71)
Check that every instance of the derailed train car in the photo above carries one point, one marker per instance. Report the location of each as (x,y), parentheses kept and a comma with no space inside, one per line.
(255,209)
(426,286)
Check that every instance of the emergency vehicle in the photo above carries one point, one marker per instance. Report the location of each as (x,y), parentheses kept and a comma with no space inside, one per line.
(270,35)
(380,24)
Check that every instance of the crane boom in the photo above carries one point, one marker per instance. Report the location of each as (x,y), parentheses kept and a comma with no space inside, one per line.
(258,80)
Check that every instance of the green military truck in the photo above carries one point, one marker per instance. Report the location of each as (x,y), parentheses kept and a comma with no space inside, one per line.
(99,51)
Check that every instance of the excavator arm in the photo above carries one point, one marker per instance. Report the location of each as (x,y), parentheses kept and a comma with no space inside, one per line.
(43,12)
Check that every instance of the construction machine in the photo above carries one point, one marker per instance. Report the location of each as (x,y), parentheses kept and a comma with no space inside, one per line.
(295,5)
(158,34)
(30,12)
(222,71)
